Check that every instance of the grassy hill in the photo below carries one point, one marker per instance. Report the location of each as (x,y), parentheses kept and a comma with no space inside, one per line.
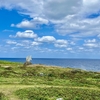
(40,82)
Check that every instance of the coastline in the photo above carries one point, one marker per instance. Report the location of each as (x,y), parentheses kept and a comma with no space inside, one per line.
(84,64)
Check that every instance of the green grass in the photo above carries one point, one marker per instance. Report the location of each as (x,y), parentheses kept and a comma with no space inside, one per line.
(9,63)
(24,83)
(2,96)
(52,93)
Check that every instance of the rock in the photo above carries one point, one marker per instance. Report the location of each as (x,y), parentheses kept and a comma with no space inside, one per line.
(28,59)
(26,64)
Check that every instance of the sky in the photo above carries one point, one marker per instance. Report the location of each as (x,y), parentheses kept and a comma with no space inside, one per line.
(50,28)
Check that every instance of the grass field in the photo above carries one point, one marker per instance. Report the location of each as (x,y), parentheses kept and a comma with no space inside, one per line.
(40,82)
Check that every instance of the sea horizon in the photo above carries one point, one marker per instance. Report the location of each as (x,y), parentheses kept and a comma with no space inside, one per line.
(46,58)
(84,64)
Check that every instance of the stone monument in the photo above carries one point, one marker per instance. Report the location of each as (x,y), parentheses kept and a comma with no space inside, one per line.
(28,61)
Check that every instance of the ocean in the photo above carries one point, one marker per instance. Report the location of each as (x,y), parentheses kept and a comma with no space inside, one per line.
(85,64)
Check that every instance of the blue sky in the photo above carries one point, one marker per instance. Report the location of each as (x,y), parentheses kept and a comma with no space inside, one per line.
(50,28)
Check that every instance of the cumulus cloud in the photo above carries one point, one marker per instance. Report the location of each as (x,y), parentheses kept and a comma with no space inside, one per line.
(35,43)
(24,24)
(79,27)
(25,34)
(40,20)
(29,34)
(14,42)
(32,23)
(78,24)
(70,17)
(91,43)
(11,42)
(48,39)
(61,43)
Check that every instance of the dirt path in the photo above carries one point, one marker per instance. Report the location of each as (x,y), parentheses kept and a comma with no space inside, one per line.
(9,90)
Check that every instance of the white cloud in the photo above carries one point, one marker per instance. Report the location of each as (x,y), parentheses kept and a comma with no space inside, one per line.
(53,9)
(25,24)
(90,41)
(35,43)
(91,45)
(11,42)
(40,20)
(25,34)
(34,23)
(68,16)
(49,39)
(79,27)
(25,6)
(61,43)
(91,6)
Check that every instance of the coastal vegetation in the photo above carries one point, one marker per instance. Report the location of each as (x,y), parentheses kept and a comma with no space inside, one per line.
(41,82)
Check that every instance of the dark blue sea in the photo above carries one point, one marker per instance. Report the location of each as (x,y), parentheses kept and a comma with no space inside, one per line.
(85,64)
